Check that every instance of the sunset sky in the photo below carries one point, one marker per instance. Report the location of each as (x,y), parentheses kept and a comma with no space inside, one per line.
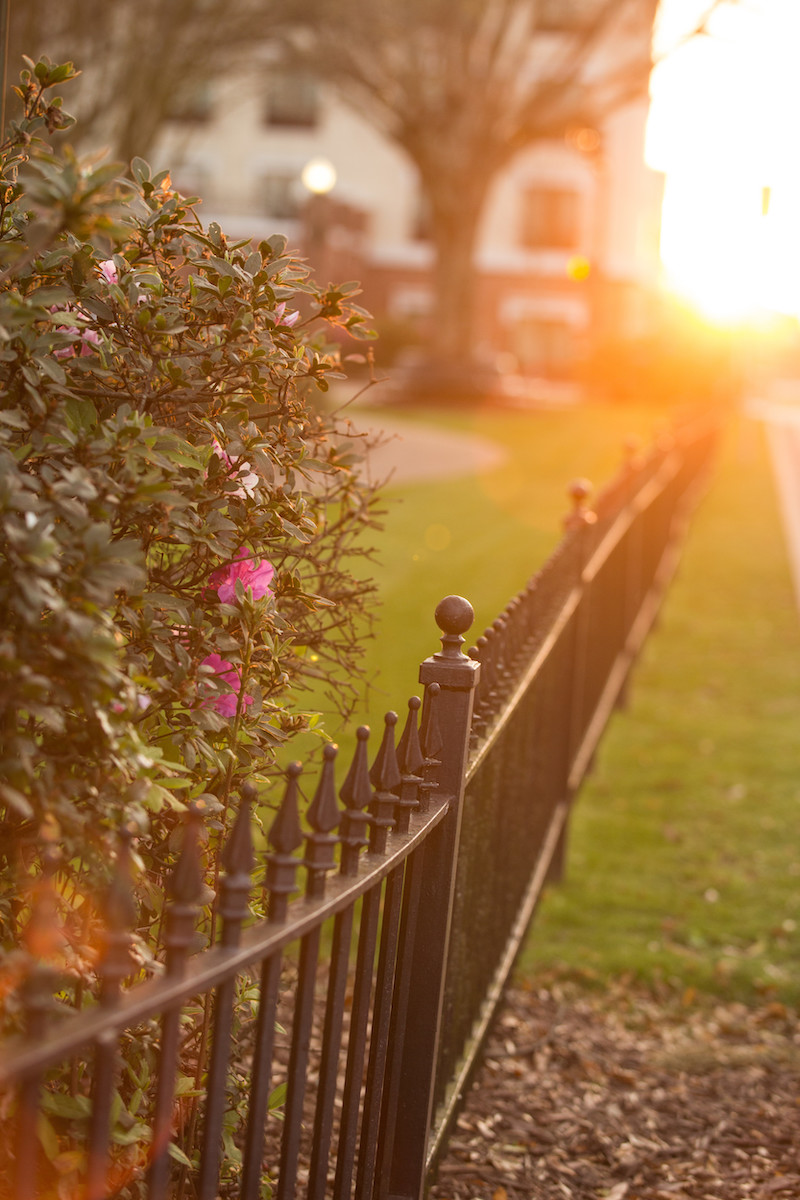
(724,128)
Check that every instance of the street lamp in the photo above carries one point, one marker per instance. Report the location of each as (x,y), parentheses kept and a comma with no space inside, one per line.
(318,177)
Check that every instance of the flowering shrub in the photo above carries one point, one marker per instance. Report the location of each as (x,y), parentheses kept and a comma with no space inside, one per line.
(178,518)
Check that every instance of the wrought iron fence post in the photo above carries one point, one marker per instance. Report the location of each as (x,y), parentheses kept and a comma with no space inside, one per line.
(580,520)
(403,1174)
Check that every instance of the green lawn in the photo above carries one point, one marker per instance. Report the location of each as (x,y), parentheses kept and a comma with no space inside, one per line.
(684,863)
(482,536)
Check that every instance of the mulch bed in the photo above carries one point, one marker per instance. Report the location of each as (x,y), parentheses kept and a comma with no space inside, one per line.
(626,1098)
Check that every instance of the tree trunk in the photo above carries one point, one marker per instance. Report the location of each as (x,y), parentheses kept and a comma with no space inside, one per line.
(456,214)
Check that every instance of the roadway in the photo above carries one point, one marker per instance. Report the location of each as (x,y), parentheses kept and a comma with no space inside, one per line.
(782,420)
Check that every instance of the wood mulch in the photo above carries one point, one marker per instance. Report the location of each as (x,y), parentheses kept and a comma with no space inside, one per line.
(623,1097)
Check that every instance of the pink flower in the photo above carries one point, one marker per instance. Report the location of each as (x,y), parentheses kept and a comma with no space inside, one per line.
(225,703)
(108,271)
(89,338)
(255,573)
(284,318)
(235,468)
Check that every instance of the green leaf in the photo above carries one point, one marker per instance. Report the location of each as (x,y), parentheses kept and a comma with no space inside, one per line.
(14,418)
(141,170)
(179,1156)
(50,367)
(129,1137)
(81,415)
(47,1136)
(71,1108)
(16,800)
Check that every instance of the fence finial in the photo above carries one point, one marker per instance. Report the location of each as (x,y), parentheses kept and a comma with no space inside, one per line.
(238,859)
(411,762)
(323,813)
(384,772)
(185,888)
(186,881)
(385,777)
(579,492)
(285,833)
(285,836)
(323,816)
(431,732)
(356,793)
(454,616)
(409,753)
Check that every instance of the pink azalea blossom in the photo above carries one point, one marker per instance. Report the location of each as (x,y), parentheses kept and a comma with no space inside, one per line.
(236,468)
(89,339)
(108,271)
(225,703)
(284,318)
(255,573)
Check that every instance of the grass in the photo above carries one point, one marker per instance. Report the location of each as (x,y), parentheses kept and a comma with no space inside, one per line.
(683,866)
(482,535)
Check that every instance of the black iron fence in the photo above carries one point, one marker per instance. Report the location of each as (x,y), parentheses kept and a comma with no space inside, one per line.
(367,998)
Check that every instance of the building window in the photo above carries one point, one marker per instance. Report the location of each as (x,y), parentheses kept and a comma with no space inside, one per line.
(279,196)
(556,16)
(545,347)
(191,106)
(550,219)
(292,101)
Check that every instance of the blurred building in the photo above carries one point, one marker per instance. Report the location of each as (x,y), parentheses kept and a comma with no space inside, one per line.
(569,240)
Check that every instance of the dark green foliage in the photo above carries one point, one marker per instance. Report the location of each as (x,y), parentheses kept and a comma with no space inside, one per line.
(178,519)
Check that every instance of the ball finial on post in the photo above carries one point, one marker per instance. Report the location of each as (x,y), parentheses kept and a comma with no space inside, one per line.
(579,492)
(454,616)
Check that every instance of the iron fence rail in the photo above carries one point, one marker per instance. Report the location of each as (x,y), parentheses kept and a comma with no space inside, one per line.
(420,882)
(553,668)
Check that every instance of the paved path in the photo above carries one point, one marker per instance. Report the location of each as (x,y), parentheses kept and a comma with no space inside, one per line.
(782,421)
(414,451)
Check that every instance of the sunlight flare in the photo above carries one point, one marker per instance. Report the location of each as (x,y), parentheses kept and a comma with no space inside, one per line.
(722,128)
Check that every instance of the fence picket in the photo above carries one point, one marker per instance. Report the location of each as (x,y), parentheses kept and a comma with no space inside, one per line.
(323,816)
(184,889)
(285,836)
(115,964)
(444,843)
(238,860)
(404,787)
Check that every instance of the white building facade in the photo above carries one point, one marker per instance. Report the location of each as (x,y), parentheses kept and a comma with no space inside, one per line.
(569,238)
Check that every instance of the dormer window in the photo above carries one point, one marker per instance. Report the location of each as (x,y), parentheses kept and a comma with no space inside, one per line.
(279,196)
(550,218)
(292,101)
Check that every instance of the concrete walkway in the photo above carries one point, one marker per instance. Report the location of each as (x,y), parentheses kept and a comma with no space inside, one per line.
(782,420)
(413,451)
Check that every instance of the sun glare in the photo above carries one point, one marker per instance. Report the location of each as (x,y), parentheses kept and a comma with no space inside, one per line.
(722,127)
